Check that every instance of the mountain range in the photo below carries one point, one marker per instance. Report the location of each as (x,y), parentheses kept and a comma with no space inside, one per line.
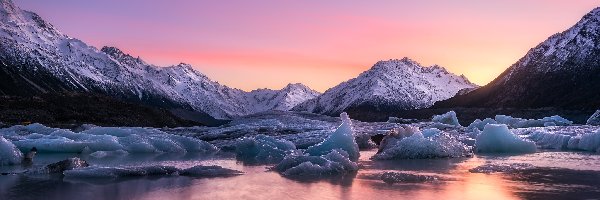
(36,58)
(561,72)
(402,84)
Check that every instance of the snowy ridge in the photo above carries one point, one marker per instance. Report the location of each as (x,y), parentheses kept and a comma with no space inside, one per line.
(404,84)
(577,42)
(561,72)
(31,45)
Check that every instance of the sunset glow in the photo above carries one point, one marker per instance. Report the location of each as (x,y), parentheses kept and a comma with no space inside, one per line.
(250,44)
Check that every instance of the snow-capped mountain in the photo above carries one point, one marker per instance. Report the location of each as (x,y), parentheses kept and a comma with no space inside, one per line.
(562,72)
(37,58)
(401,84)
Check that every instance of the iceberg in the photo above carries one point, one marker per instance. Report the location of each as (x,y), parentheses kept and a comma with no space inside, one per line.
(550,140)
(526,123)
(342,138)
(401,177)
(336,162)
(493,168)
(448,118)
(9,154)
(116,172)
(93,139)
(496,138)
(209,171)
(594,120)
(263,149)
(417,146)
(480,124)
(590,142)
(152,170)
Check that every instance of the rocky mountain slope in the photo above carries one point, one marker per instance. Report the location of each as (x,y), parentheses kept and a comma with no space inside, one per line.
(400,84)
(561,72)
(36,58)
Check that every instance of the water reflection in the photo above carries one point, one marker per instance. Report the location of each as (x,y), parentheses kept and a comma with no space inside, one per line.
(260,183)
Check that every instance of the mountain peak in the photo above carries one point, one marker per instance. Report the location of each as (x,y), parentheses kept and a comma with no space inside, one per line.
(121,56)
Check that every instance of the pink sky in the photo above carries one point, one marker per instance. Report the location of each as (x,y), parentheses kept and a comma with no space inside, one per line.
(267,44)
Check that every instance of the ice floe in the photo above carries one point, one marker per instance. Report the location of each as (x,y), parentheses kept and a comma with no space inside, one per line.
(336,162)
(417,146)
(342,138)
(401,177)
(497,138)
(594,120)
(262,149)
(9,154)
(494,168)
(448,118)
(130,139)
(152,170)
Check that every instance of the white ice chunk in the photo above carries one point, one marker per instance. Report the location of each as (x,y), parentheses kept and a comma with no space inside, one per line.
(416,146)
(209,171)
(493,168)
(447,118)
(130,139)
(342,138)
(479,124)
(336,162)
(116,172)
(9,154)
(594,120)
(496,138)
(430,132)
(590,142)
(550,140)
(263,149)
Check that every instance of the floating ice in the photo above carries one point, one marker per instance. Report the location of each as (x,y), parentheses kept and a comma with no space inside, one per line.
(132,140)
(395,135)
(263,149)
(525,123)
(479,124)
(550,140)
(496,138)
(590,142)
(102,154)
(60,166)
(594,120)
(116,172)
(493,168)
(9,154)
(430,132)
(364,141)
(447,118)
(417,146)
(401,177)
(153,170)
(209,171)
(336,162)
(342,138)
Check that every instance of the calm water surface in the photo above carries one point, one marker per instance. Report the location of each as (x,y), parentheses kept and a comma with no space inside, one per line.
(558,175)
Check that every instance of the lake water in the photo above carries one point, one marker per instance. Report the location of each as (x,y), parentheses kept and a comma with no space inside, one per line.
(556,175)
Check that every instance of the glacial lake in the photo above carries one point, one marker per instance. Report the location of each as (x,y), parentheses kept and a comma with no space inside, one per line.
(554,175)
